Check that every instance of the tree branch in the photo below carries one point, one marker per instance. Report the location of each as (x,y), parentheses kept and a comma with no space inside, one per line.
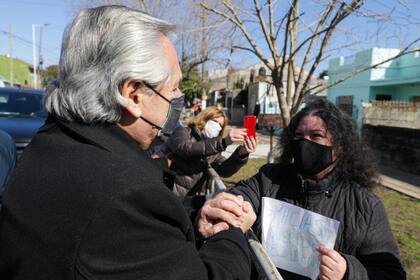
(267,35)
(236,21)
(358,71)
(313,40)
(341,14)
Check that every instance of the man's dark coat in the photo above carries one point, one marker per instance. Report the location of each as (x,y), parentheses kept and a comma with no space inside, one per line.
(86,203)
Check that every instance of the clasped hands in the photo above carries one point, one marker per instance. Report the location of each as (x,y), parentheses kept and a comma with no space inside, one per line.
(225,210)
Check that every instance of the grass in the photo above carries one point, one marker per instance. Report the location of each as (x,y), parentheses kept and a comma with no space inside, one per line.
(249,170)
(403,215)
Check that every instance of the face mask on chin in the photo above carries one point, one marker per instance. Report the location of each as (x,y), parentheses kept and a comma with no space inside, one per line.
(311,158)
(172,117)
(212,129)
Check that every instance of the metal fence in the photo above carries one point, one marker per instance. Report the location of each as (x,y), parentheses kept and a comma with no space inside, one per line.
(265,267)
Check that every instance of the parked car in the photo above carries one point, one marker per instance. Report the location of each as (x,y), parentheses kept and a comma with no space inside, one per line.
(21,114)
(2,81)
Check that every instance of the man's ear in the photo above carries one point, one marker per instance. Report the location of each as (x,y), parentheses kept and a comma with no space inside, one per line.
(131,92)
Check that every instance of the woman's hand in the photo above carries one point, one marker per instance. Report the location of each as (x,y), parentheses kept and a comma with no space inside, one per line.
(237,134)
(225,210)
(332,265)
(250,144)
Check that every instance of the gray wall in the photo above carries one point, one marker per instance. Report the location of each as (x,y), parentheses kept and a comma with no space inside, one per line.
(395,147)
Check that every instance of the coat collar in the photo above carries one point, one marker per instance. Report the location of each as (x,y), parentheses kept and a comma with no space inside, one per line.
(107,136)
(196,133)
(326,184)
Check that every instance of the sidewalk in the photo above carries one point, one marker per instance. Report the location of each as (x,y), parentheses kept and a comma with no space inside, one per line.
(263,147)
(400,181)
(261,152)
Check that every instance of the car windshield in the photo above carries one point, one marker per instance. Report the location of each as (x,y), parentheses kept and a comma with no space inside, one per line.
(21,104)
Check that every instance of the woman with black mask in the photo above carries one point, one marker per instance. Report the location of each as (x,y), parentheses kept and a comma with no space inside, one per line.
(326,169)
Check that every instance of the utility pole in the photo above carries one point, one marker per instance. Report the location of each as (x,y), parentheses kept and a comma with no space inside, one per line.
(203,56)
(11,75)
(40,58)
(34,61)
(142,5)
(34,53)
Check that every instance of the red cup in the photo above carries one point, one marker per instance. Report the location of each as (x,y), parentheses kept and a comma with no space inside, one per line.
(250,123)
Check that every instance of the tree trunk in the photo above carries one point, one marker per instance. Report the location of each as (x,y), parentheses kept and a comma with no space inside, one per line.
(278,84)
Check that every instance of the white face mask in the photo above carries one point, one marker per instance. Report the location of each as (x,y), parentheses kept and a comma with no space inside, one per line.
(212,129)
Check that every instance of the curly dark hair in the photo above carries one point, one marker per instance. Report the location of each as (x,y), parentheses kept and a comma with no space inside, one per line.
(355,161)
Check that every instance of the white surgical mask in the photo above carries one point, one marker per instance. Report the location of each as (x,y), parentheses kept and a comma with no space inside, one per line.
(212,129)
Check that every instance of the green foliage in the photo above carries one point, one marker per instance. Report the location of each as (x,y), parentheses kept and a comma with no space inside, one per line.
(48,74)
(21,73)
(191,84)
(402,215)
(240,84)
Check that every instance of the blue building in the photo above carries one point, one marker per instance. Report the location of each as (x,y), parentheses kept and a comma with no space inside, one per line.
(396,80)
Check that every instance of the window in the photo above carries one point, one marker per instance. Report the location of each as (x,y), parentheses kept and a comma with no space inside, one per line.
(345,103)
(415,99)
(383,97)
(20,103)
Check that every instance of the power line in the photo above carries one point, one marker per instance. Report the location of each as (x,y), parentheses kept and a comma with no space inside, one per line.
(35,4)
(28,42)
(397,11)
(24,42)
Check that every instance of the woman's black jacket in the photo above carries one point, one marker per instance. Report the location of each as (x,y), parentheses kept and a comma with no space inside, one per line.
(364,237)
(192,154)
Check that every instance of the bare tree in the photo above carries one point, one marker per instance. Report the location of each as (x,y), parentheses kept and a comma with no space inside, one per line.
(295,47)
(202,41)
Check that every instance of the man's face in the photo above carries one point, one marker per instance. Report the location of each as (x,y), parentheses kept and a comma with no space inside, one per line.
(153,107)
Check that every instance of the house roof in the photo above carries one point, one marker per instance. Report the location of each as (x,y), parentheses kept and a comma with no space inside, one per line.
(396,82)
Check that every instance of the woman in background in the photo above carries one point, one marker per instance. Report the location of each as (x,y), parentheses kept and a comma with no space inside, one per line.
(195,148)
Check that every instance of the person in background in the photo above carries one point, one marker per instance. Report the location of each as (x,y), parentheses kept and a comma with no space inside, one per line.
(325,168)
(219,106)
(7,159)
(257,110)
(196,108)
(195,148)
(87,201)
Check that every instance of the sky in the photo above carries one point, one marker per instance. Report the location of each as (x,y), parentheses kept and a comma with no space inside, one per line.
(20,15)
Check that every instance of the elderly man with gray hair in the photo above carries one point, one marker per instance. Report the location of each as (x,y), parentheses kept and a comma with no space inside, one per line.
(86,201)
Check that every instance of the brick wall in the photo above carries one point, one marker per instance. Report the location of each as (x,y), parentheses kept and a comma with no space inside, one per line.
(395,146)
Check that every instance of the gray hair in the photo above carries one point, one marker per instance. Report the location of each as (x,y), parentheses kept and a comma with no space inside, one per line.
(102,48)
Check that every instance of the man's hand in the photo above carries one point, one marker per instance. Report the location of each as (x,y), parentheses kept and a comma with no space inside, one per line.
(332,265)
(225,210)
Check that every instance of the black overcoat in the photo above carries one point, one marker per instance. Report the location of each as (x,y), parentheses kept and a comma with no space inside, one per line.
(85,202)
(192,154)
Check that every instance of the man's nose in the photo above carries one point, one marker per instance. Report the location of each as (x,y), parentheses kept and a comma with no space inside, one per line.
(178,93)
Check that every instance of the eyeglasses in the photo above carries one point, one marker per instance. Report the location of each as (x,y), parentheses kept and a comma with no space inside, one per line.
(158,93)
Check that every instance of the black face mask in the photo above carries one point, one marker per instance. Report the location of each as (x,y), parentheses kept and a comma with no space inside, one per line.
(175,108)
(310,157)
